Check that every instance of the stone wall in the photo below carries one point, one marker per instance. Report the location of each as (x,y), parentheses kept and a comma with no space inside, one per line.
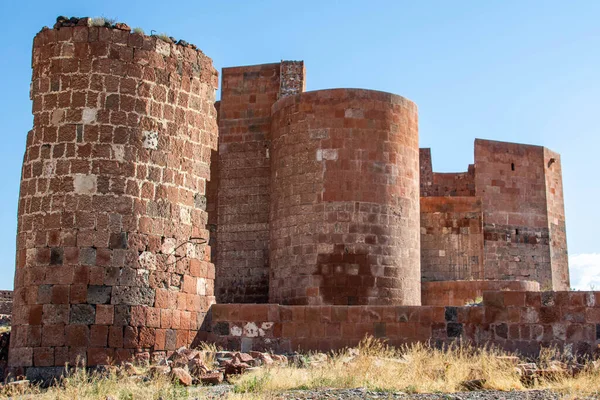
(559,256)
(6,300)
(242,177)
(460,293)
(446,183)
(519,189)
(242,256)
(451,238)
(344,199)
(111,253)
(512,320)
(510,180)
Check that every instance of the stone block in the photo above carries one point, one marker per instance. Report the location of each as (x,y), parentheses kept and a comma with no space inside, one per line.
(99,294)
(82,314)
(126,295)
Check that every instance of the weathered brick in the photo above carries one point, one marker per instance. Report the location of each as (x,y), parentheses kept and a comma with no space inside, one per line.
(99,294)
(82,314)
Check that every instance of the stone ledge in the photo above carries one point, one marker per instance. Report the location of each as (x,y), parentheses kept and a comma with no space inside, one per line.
(515,321)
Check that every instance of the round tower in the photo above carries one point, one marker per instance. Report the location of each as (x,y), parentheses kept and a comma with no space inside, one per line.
(111,254)
(345,199)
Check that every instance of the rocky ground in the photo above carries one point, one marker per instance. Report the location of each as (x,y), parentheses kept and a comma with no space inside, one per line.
(220,391)
(365,394)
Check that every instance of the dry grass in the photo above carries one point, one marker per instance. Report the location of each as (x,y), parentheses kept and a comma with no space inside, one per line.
(586,384)
(164,37)
(474,302)
(103,21)
(415,369)
(81,385)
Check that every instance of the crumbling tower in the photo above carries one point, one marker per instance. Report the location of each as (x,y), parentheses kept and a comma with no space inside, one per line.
(111,254)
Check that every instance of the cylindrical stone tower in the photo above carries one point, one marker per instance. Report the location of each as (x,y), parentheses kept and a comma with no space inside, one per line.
(345,199)
(111,259)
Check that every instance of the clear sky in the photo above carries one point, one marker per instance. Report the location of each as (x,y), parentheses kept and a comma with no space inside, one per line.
(519,71)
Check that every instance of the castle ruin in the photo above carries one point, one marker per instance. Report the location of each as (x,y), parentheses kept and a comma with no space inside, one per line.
(151,217)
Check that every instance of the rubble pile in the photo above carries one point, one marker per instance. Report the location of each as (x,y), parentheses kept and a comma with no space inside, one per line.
(194,367)
(190,367)
(531,372)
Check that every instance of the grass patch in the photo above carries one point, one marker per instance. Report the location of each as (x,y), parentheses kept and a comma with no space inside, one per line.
(103,21)
(475,302)
(81,385)
(164,37)
(416,368)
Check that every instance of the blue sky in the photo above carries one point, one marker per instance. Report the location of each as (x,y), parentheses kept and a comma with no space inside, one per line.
(520,71)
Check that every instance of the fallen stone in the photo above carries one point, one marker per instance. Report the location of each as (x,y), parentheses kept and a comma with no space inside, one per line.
(129,369)
(197,367)
(192,354)
(159,370)
(213,378)
(20,384)
(474,384)
(182,376)
(235,368)
(224,354)
(266,359)
(243,357)
(179,359)
(558,365)
(280,359)
(122,26)
(527,369)
(550,374)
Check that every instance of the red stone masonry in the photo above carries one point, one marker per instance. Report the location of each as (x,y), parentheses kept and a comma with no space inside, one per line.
(460,293)
(521,216)
(451,238)
(446,183)
(241,177)
(344,199)
(510,180)
(6,300)
(559,256)
(111,259)
(512,320)
(319,201)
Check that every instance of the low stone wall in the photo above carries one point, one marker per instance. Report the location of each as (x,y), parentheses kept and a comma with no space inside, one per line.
(512,320)
(459,293)
(6,299)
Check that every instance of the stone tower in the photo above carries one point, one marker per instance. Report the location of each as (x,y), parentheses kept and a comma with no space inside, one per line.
(345,199)
(111,250)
